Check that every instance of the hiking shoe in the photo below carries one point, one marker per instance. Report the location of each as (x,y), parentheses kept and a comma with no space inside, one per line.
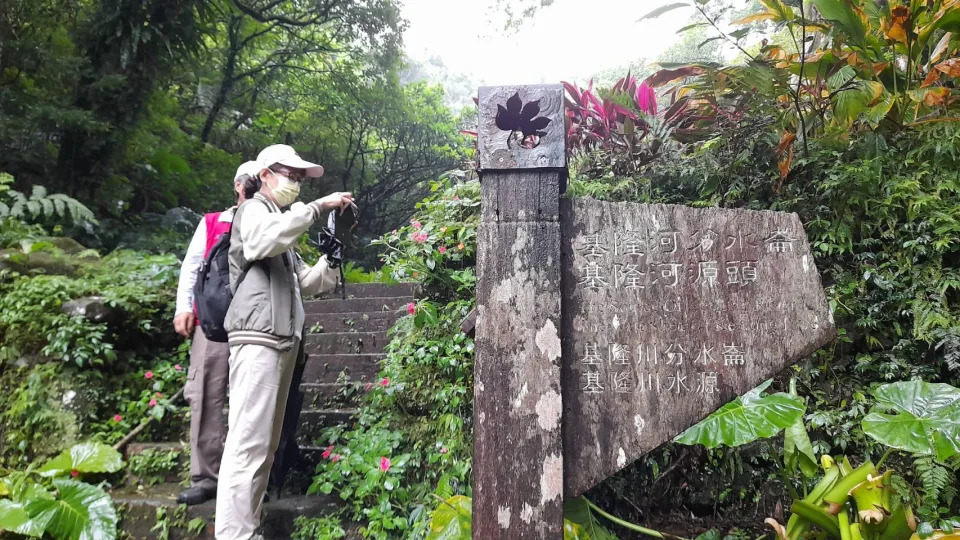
(196,495)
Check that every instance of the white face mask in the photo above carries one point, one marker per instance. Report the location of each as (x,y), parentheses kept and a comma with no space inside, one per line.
(286,190)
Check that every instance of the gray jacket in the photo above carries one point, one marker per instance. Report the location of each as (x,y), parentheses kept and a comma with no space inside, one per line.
(267,306)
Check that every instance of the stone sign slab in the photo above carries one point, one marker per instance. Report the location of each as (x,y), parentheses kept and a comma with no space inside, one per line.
(668,313)
(521,127)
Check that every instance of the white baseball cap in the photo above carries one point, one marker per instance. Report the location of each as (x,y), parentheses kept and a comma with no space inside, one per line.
(250,168)
(287,156)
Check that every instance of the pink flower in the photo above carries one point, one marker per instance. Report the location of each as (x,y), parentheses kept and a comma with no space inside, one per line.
(384,464)
(416,224)
(335,458)
(159,395)
(153,403)
(326,453)
(368,386)
(178,367)
(443,450)
(456,197)
(393,232)
(385,382)
(117,418)
(442,250)
(420,238)
(415,274)
(460,246)
(411,308)
(74,473)
(148,375)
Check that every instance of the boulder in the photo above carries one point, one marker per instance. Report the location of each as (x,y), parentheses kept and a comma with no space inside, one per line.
(67,245)
(37,262)
(91,308)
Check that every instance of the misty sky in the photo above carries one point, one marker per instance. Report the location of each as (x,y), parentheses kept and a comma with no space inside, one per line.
(570,39)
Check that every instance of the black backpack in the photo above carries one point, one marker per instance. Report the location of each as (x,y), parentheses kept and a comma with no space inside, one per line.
(212,294)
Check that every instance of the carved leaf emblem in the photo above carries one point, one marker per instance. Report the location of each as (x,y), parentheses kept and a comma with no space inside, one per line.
(522,122)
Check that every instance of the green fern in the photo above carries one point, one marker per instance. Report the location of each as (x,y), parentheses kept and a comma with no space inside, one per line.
(948,344)
(937,481)
(40,204)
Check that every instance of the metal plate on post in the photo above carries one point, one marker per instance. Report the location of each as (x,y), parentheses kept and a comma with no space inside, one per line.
(521,127)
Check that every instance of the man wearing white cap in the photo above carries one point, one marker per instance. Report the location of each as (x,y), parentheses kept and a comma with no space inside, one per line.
(206,388)
(265,325)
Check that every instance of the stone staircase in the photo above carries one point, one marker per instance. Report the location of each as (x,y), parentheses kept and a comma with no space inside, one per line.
(344,344)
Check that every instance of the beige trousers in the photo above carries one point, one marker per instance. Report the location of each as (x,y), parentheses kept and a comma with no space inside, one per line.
(259,384)
(206,392)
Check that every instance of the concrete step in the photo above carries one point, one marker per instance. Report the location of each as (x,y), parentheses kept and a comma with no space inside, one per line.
(326,368)
(156,463)
(313,420)
(331,395)
(139,513)
(135,448)
(346,342)
(355,305)
(367,290)
(378,321)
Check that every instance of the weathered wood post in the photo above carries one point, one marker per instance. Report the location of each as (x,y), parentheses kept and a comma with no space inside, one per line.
(518,457)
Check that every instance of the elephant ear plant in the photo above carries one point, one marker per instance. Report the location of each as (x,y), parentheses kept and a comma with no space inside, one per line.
(861,503)
(53,501)
(845,503)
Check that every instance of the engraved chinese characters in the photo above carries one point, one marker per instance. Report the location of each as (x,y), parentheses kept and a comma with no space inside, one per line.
(668,313)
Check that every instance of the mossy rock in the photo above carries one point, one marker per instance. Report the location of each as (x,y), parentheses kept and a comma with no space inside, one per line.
(38,262)
(67,245)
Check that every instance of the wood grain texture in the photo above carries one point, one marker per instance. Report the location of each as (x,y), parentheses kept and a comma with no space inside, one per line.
(668,313)
(518,463)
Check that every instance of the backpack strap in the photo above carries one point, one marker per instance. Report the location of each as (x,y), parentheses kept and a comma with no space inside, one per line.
(210,221)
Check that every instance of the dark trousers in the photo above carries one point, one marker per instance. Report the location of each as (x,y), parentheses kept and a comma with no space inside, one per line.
(288,453)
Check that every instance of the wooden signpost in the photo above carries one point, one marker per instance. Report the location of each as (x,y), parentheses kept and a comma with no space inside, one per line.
(606,329)
(518,455)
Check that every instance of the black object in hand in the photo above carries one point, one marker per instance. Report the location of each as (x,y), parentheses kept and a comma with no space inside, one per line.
(331,246)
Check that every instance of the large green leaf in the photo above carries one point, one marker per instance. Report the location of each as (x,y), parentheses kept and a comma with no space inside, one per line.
(451,520)
(87,457)
(783,12)
(840,12)
(947,18)
(925,419)
(578,512)
(849,103)
(876,113)
(840,78)
(573,531)
(797,449)
(14,518)
(80,512)
(745,419)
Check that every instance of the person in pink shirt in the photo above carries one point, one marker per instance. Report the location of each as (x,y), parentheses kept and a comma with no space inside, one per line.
(207,376)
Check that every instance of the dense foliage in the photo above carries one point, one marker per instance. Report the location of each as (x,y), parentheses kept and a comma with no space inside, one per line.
(877,191)
(413,436)
(874,179)
(84,340)
(133,106)
(839,110)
